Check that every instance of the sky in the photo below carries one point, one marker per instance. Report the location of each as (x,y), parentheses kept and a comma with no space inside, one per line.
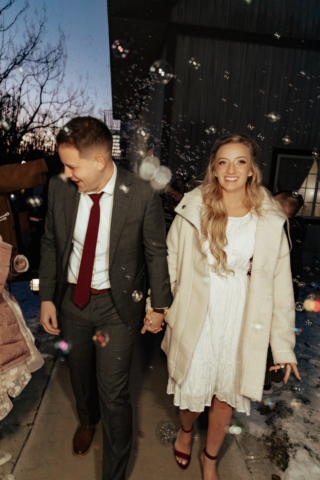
(85,25)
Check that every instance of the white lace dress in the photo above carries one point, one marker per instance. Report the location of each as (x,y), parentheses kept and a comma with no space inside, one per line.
(213,365)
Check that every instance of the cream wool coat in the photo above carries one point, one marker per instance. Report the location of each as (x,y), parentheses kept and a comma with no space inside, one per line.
(269,304)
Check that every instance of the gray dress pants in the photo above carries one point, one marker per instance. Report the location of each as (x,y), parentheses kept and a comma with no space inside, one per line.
(100,375)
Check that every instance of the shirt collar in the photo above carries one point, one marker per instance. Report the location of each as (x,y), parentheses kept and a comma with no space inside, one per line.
(110,186)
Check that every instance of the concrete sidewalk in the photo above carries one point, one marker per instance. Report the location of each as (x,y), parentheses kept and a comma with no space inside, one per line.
(47,452)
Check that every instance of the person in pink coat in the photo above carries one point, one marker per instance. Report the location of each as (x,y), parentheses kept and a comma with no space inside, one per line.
(18,354)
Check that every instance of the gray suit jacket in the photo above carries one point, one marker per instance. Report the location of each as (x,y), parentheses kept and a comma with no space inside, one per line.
(137,241)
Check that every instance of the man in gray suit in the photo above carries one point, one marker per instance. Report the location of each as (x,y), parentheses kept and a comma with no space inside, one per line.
(104,232)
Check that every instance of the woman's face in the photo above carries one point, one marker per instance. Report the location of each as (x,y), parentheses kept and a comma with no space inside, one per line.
(233,166)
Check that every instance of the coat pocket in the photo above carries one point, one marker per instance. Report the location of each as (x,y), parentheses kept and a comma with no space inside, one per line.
(172,312)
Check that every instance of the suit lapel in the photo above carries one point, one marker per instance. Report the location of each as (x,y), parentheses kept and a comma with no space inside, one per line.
(121,202)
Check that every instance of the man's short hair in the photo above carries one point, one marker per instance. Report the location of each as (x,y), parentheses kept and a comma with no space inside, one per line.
(293,200)
(85,133)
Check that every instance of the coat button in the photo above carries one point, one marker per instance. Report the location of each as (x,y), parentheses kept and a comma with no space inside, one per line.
(184,206)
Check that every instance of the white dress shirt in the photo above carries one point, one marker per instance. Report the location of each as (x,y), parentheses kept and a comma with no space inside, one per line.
(100,276)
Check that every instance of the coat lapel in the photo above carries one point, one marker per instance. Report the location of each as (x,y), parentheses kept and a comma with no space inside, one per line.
(121,202)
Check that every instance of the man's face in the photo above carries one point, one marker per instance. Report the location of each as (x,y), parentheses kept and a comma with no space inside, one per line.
(86,170)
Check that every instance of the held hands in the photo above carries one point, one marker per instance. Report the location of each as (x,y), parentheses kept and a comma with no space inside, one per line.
(153,322)
(19,264)
(48,318)
(289,367)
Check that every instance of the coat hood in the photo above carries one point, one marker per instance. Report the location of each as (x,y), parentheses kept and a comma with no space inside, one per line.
(5,255)
(190,207)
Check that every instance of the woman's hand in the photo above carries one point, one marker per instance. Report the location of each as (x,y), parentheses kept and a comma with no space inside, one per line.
(153,322)
(289,367)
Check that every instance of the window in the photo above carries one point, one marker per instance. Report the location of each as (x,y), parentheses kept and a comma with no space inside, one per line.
(300,173)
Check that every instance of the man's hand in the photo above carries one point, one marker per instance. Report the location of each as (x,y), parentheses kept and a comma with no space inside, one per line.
(153,322)
(48,318)
(0,238)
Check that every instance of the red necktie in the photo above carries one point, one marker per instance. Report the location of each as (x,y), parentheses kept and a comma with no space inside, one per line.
(82,295)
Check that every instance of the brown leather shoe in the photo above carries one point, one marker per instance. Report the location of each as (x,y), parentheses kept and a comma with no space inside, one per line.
(82,440)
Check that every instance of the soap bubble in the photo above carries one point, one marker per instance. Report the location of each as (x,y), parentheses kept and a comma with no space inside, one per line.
(12,196)
(251,127)
(297,330)
(269,403)
(297,388)
(303,73)
(151,367)
(301,284)
(5,124)
(64,346)
(161,178)
(286,140)
(166,433)
(194,64)
(120,49)
(296,403)
(308,323)
(256,326)
(273,117)
(299,307)
(63,177)
(124,188)
(137,296)
(148,167)
(101,338)
(315,152)
(161,72)
(298,240)
(313,284)
(277,35)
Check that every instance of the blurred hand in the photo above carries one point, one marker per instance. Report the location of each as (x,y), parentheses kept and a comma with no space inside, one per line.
(48,318)
(176,196)
(20,264)
(153,322)
(0,238)
(289,367)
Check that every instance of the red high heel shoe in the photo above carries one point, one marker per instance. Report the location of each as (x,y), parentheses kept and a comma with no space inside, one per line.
(204,451)
(182,455)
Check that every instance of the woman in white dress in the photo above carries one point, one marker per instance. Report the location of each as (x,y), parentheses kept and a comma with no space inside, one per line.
(221,319)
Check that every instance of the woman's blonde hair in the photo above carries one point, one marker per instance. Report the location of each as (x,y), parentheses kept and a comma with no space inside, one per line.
(214,216)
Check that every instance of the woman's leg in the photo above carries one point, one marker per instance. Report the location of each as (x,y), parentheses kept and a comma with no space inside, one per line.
(183,441)
(220,414)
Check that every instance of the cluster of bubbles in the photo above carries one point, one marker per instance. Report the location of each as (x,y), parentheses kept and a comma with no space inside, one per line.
(161,72)
(101,338)
(64,346)
(166,433)
(315,153)
(277,35)
(295,403)
(297,330)
(120,49)
(150,170)
(194,64)
(299,307)
(34,202)
(182,172)
(211,129)
(311,305)
(251,127)
(234,430)
(137,296)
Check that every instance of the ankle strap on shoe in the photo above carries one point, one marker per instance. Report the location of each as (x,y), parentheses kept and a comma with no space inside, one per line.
(186,431)
(209,456)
